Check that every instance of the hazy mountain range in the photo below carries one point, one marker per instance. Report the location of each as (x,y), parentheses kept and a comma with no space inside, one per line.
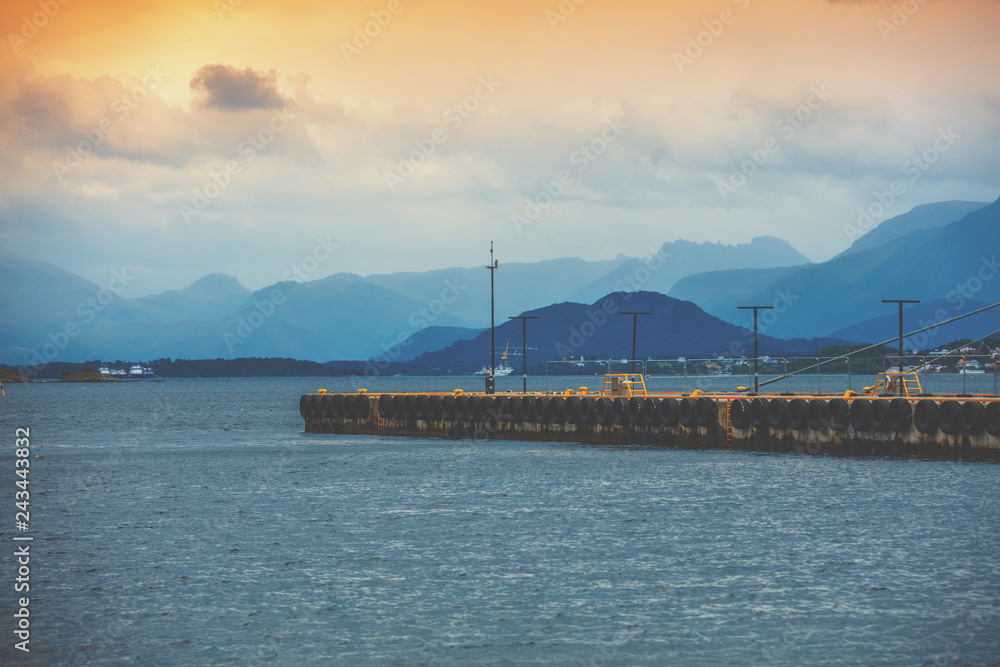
(51,314)
(941,253)
(954,262)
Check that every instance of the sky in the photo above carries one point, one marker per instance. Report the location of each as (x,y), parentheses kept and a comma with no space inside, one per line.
(305,138)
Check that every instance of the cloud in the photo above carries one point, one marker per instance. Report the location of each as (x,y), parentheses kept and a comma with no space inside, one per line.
(229,89)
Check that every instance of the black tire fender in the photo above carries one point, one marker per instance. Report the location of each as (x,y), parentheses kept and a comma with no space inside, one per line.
(798,414)
(973,418)
(449,408)
(838,412)
(950,417)
(650,415)
(705,410)
(879,413)
(635,411)
(759,414)
(900,415)
(421,406)
(739,414)
(687,412)
(925,416)
(993,418)
(669,412)
(777,413)
(817,414)
(557,410)
(435,408)
(619,411)
(362,407)
(861,414)
(385,406)
(603,411)
(572,405)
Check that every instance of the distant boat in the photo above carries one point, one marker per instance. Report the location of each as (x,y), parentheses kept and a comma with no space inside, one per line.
(971,367)
(503,369)
(136,372)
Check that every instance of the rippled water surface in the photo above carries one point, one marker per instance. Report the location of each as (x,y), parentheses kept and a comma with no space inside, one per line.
(192,522)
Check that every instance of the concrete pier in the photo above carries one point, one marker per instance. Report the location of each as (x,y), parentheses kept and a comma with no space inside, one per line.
(623,413)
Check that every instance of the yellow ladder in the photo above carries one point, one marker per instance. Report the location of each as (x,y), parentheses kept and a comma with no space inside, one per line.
(911,384)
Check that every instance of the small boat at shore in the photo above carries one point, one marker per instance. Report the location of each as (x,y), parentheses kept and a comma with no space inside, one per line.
(136,372)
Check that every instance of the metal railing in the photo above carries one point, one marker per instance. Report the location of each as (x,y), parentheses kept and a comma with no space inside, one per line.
(690,369)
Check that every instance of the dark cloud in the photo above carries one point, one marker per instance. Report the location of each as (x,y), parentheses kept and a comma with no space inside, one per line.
(227,88)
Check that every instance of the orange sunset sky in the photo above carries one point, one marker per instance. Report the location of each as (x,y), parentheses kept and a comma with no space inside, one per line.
(182,138)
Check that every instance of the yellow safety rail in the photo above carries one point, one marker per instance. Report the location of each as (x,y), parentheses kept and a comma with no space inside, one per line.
(624,384)
(896,384)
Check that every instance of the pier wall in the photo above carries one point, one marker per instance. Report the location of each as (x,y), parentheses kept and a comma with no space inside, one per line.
(925,426)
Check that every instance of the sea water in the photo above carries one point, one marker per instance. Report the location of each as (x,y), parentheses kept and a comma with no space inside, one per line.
(193,522)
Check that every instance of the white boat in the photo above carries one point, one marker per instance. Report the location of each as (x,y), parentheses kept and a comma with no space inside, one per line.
(503,369)
(971,367)
(136,372)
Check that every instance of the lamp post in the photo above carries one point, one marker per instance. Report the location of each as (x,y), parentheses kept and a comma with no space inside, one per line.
(900,302)
(524,344)
(491,380)
(756,378)
(635,317)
